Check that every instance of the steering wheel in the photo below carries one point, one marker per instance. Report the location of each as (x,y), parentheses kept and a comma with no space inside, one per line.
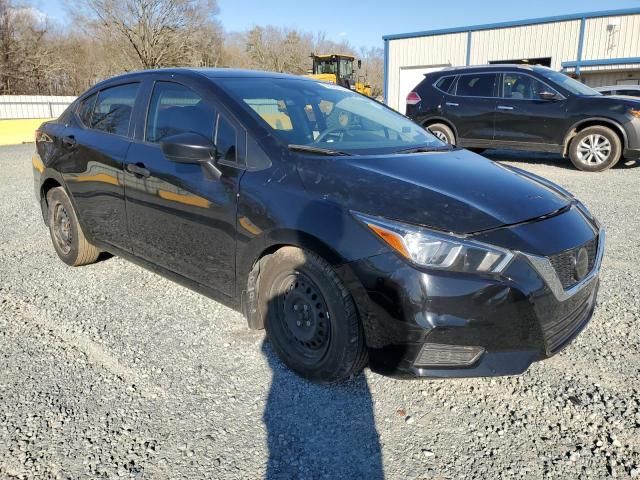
(328,132)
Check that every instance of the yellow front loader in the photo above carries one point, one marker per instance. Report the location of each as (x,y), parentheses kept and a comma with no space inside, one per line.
(338,68)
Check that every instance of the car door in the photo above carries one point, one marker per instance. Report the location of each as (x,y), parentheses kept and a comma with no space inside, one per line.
(523,116)
(180,217)
(95,145)
(471,107)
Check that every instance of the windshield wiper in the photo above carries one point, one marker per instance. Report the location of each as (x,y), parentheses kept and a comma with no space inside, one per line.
(425,149)
(320,151)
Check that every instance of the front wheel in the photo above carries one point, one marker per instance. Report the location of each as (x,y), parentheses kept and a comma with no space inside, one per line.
(310,317)
(595,149)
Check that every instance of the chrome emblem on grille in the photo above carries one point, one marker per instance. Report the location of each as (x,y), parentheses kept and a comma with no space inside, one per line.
(581,264)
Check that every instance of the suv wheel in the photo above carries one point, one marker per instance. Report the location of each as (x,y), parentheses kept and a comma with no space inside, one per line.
(595,149)
(310,317)
(442,132)
(69,241)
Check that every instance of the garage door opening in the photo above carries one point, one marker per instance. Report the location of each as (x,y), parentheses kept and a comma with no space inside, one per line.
(409,78)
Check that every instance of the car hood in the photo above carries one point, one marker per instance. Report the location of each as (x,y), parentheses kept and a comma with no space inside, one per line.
(616,100)
(455,191)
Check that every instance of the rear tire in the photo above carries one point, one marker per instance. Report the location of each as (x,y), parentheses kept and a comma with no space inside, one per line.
(595,149)
(67,236)
(442,132)
(310,317)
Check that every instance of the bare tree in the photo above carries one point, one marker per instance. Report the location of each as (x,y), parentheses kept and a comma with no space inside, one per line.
(155,33)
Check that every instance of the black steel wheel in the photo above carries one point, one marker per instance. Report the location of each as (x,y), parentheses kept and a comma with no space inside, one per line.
(310,317)
(67,236)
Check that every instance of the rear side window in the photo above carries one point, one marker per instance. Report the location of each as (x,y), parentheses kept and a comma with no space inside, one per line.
(112,112)
(226,140)
(444,83)
(85,109)
(176,109)
(476,85)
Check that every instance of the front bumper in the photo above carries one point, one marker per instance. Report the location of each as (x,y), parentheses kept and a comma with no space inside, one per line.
(481,325)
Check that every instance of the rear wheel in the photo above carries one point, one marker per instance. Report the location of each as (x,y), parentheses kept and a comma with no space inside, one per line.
(595,149)
(442,132)
(69,241)
(310,317)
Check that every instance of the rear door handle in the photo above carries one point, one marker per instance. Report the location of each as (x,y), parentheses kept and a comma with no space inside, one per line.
(138,169)
(504,107)
(451,104)
(69,140)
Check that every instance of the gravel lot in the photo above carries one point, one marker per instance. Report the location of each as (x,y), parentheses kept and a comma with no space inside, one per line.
(112,371)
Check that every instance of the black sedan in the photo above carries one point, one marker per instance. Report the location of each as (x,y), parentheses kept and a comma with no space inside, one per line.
(351,234)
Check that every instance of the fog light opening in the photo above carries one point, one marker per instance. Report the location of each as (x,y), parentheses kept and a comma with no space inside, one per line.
(440,355)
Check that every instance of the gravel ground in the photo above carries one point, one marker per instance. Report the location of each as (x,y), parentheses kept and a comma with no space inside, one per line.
(112,371)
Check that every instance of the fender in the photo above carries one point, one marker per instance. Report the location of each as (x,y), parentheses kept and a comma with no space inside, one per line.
(602,120)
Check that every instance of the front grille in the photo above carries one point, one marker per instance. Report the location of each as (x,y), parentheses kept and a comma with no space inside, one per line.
(558,331)
(564,263)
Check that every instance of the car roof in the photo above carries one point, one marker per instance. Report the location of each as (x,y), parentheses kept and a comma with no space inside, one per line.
(619,87)
(494,66)
(206,72)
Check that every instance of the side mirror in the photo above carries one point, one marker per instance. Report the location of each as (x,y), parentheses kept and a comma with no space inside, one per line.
(359,64)
(191,148)
(548,96)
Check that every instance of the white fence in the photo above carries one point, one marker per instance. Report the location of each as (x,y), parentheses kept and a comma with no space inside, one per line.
(32,106)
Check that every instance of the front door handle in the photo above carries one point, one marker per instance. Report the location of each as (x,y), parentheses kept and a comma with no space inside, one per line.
(138,169)
(504,107)
(69,141)
(451,104)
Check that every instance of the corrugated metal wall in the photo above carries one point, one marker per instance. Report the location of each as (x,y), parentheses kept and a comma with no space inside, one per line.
(423,52)
(602,41)
(556,40)
(604,78)
(32,106)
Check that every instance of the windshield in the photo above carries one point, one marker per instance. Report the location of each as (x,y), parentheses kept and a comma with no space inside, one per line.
(573,86)
(304,112)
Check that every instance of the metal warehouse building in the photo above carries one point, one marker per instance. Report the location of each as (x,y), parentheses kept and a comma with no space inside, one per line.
(599,48)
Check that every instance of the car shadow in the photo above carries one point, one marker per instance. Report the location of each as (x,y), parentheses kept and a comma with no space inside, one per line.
(541,158)
(319,431)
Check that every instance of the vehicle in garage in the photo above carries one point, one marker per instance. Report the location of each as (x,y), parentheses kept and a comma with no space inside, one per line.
(346,230)
(527,108)
(624,90)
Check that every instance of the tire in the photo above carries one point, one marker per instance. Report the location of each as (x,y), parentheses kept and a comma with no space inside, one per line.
(442,132)
(310,317)
(595,149)
(67,236)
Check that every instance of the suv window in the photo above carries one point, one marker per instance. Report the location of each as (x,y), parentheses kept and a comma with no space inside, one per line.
(476,85)
(226,140)
(176,109)
(445,83)
(85,109)
(112,112)
(519,86)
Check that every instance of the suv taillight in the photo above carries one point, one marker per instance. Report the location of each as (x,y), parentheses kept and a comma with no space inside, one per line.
(413,98)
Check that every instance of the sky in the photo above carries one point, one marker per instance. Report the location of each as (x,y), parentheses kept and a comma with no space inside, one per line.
(363,23)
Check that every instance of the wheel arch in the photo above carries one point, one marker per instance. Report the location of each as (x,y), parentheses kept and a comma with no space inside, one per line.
(594,122)
(51,180)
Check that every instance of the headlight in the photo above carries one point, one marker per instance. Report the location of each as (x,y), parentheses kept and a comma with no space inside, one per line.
(438,250)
